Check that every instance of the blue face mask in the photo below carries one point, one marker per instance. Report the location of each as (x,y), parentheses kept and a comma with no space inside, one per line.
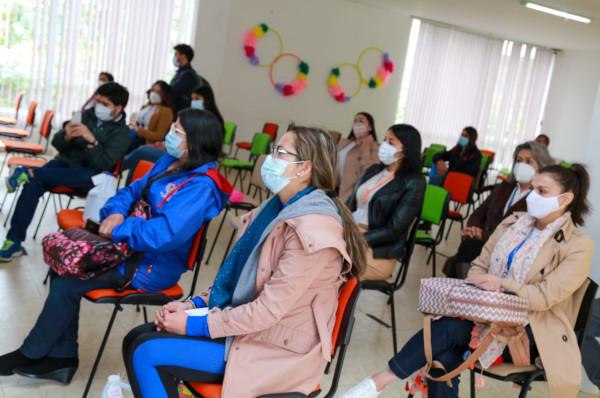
(197,104)
(463,141)
(272,171)
(172,141)
(103,113)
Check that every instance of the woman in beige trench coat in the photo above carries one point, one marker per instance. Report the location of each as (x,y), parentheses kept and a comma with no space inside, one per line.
(539,255)
(271,309)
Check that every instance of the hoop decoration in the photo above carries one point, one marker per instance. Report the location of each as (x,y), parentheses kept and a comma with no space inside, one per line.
(383,72)
(336,89)
(251,38)
(298,84)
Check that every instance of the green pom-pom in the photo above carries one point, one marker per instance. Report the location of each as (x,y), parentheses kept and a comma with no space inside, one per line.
(336,71)
(303,67)
(372,83)
(264,27)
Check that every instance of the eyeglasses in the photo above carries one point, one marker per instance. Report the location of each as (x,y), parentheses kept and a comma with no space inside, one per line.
(174,130)
(279,150)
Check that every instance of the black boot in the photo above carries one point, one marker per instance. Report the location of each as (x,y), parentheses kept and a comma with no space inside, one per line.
(13,359)
(57,369)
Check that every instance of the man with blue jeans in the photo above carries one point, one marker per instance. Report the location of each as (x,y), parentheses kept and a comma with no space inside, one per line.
(84,149)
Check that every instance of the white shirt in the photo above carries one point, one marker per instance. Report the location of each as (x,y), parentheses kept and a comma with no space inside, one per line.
(373,184)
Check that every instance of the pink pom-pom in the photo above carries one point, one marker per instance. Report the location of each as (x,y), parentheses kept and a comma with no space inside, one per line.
(480,382)
(336,90)
(474,343)
(299,85)
(250,39)
(236,196)
(407,387)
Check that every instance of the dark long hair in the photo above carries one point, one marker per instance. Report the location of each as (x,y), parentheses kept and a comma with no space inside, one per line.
(209,101)
(371,123)
(573,179)
(458,151)
(166,94)
(204,142)
(411,142)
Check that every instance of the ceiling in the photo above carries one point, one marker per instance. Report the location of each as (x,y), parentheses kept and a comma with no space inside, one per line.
(510,19)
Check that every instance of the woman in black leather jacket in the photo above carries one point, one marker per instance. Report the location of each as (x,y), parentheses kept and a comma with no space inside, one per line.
(387,198)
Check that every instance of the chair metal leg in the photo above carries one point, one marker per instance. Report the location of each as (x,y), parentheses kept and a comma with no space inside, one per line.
(217,235)
(145,315)
(3,200)
(101,350)
(472,381)
(47,276)
(10,209)
(449,228)
(433,254)
(42,216)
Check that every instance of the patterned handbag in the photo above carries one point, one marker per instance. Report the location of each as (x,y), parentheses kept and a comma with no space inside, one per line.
(457,298)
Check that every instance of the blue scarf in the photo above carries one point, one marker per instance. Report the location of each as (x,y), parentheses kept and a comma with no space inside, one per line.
(229,274)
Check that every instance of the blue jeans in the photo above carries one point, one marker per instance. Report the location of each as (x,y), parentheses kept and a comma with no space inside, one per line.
(55,331)
(52,174)
(449,340)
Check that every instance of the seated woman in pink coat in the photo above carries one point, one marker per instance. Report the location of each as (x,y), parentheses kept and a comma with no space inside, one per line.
(273,302)
(540,255)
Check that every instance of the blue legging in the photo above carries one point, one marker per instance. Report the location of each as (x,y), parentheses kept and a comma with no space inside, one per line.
(154,360)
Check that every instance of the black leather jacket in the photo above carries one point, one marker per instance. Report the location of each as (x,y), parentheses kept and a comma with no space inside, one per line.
(391,211)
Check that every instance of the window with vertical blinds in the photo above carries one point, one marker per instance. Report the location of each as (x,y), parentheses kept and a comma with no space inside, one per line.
(460,79)
(57,48)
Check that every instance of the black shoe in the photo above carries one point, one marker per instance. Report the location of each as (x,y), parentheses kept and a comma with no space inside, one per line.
(13,359)
(57,369)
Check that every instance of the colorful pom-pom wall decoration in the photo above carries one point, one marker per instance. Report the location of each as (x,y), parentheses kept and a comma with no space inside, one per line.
(250,40)
(382,76)
(297,85)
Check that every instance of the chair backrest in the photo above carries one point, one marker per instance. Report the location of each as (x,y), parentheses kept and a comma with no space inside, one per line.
(342,329)
(229,132)
(435,204)
(566,164)
(585,310)
(271,130)
(46,126)
(18,101)
(459,185)
(485,160)
(489,153)
(438,147)
(335,136)
(118,166)
(260,144)
(31,113)
(428,155)
(141,169)
(196,254)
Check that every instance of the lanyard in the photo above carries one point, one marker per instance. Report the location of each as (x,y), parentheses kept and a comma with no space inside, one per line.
(385,180)
(512,197)
(511,256)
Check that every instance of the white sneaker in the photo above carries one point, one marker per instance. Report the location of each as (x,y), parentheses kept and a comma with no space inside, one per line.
(364,389)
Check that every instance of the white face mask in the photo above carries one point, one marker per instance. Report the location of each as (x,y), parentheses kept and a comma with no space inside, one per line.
(100,82)
(387,153)
(175,62)
(523,172)
(359,129)
(154,97)
(539,206)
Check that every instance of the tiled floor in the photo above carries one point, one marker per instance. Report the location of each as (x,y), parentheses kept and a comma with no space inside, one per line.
(22,295)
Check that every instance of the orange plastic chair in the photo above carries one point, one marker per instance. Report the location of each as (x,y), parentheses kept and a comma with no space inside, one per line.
(342,331)
(268,128)
(13,120)
(135,297)
(460,186)
(14,132)
(491,154)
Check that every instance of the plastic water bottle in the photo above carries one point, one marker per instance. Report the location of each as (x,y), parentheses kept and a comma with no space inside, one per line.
(114,387)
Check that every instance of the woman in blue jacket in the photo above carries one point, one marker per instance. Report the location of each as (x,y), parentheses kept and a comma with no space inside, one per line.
(193,145)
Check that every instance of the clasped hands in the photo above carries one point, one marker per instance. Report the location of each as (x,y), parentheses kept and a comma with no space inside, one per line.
(172,317)
(488,282)
(471,232)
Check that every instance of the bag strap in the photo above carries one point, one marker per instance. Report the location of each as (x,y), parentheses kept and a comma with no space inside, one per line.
(436,364)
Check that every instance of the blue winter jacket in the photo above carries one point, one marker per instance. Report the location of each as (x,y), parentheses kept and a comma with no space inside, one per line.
(165,239)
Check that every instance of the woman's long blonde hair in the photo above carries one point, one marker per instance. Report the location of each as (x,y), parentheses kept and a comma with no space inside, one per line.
(317,146)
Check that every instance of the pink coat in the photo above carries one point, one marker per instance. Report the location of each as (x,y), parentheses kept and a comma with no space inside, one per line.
(283,337)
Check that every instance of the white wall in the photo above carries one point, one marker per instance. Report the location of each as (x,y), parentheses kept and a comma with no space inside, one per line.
(322,33)
(570,102)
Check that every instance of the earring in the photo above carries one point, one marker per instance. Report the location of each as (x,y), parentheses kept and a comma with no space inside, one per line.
(298,174)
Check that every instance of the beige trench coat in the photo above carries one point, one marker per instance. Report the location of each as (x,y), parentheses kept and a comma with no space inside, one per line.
(360,158)
(283,337)
(554,287)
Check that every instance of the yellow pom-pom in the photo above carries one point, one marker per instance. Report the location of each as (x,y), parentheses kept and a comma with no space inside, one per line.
(378,80)
(302,76)
(333,80)
(258,31)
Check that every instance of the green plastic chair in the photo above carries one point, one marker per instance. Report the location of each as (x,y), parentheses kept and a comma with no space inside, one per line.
(566,164)
(438,147)
(260,146)
(229,137)
(434,211)
(484,161)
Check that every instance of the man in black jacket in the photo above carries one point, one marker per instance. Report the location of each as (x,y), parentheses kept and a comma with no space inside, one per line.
(186,79)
